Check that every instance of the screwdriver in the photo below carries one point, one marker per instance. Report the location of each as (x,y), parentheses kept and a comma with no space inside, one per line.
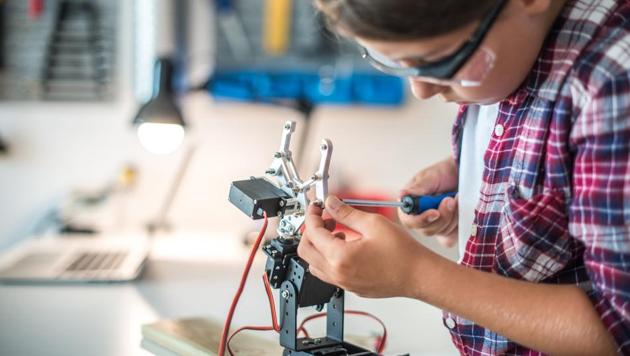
(409,204)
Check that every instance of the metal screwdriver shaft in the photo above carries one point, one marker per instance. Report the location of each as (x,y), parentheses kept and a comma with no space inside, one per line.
(409,204)
(374,203)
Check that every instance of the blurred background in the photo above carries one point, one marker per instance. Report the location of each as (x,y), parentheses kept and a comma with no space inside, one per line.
(118,116)
(75,73)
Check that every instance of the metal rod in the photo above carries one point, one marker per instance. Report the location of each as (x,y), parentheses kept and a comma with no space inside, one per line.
(160,221)
(375,203)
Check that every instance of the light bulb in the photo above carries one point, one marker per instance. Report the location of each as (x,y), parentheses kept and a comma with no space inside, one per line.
(159,138)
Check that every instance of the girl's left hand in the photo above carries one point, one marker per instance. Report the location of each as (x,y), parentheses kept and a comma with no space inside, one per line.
(377,261)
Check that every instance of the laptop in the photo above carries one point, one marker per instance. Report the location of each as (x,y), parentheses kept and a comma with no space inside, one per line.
(76,258)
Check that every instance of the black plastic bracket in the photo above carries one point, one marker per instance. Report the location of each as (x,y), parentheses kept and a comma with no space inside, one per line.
(299,288)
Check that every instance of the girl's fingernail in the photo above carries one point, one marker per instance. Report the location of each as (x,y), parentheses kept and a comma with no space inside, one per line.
(432,218)
(451,205)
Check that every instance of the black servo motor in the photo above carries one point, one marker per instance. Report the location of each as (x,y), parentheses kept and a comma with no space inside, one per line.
(255,195)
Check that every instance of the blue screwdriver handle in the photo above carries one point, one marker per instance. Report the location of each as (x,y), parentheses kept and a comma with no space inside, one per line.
(418,204)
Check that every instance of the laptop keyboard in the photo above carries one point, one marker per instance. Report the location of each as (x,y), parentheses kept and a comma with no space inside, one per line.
(96,261)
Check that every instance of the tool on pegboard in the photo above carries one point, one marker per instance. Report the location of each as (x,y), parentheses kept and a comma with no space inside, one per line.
(277,26)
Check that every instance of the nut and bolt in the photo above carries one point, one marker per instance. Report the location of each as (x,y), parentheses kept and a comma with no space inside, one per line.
(338,292)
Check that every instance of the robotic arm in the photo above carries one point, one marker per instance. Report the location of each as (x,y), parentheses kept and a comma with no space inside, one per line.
(287,198)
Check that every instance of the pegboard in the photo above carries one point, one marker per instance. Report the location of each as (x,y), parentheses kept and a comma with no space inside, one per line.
(316,65)
(58,50)
(310,45)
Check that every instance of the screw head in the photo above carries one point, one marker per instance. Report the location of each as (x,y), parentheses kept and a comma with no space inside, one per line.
(324,146)
(285,294)
(287,125)
(277,155)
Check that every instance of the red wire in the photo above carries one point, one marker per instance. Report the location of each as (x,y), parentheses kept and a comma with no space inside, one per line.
(255,328)
(237,296)
(275,326)
(225,341)
(381,341)
(272,305)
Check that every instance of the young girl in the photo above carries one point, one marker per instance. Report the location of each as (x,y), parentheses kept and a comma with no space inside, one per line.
(541,164)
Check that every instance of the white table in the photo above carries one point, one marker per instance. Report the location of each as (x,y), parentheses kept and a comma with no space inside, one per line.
(184,277)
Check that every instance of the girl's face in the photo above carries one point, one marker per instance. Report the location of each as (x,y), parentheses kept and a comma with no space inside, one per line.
(515,38)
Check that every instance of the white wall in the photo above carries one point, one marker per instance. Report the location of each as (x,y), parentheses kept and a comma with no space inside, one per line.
(58,147)
(55,148)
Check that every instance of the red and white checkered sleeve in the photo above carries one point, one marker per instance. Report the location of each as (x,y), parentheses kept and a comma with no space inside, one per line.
(600,206)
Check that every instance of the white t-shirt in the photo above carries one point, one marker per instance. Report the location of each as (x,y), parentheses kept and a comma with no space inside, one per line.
(478,129)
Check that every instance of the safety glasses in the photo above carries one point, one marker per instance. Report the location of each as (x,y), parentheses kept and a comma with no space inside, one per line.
(467,66)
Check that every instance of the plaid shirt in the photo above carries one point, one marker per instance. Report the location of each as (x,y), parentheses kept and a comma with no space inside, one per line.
(555,198)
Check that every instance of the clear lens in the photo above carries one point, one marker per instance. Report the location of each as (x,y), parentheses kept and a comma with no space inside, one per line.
(471,74)
(476,69)
(384,60)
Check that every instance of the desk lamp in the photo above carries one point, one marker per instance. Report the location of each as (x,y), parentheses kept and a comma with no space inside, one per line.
(160,127)
(159,121)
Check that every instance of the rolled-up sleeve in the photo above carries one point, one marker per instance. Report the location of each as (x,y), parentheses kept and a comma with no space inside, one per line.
(600,204)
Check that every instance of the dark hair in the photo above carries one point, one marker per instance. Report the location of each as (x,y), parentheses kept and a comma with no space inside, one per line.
(401,19)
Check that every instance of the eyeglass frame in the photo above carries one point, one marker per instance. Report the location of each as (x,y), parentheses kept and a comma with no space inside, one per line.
(445,68)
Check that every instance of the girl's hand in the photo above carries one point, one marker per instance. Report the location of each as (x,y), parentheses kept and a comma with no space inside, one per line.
(376,261)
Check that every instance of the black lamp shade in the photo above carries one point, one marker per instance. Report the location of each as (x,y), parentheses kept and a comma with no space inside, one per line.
(161,108)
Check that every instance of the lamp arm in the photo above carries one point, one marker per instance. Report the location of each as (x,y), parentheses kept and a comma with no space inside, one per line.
(160,220)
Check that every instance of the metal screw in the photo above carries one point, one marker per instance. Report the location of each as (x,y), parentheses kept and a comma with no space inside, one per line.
(324,146)
(338,292)
(287,125)
(270,171)
(285,294)
(282,203)
(277,155)
(314,177)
